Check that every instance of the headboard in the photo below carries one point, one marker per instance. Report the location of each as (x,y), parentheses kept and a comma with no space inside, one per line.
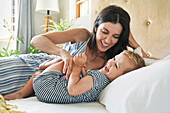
(150,22)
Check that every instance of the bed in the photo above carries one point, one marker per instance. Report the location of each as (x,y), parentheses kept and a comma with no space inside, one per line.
(145,90)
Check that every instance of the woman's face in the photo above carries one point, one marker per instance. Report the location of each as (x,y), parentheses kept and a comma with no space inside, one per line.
(107,35)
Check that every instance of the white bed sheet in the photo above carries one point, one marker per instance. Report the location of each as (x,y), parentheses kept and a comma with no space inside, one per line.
(32,105)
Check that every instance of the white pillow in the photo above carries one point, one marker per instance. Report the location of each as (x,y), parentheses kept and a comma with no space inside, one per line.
(146,90)
(148,61)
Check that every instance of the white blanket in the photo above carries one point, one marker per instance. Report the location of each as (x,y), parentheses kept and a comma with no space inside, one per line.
(32,105)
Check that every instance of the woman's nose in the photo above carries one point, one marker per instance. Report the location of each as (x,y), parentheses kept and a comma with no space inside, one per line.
(108,39)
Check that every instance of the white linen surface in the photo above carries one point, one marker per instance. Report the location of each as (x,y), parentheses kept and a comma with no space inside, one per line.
(32,105)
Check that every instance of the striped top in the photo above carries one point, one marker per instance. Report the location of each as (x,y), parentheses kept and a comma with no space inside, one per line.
(51,87)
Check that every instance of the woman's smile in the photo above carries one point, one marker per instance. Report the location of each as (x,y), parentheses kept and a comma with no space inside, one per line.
(104,45)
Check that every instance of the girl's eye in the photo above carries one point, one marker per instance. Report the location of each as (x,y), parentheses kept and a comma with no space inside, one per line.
(115,63)
(116,66)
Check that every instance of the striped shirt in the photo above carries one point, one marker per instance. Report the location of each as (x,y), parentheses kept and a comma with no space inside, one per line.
(51,87)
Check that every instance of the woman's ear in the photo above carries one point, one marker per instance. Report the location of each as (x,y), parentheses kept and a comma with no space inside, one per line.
(95,29)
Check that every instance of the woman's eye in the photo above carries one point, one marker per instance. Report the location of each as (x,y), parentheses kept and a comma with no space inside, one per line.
(115,37)
(104,32)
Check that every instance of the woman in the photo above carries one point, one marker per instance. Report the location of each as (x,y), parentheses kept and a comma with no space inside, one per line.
(109,38)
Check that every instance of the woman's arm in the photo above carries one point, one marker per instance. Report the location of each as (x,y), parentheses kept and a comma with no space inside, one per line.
(134,45)
(47,43)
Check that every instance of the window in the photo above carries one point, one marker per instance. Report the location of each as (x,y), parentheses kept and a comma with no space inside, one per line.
(9,14)
(82,8)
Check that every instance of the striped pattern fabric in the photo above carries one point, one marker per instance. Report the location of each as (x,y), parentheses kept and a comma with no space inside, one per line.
(51,87)
(76,48)
(15,71)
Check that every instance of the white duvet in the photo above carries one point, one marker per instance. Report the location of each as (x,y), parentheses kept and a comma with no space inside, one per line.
(32,105)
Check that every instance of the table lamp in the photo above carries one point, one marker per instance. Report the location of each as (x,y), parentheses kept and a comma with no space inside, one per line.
(47,7)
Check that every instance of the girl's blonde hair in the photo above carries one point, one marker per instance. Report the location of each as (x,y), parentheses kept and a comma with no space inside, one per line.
(136,59)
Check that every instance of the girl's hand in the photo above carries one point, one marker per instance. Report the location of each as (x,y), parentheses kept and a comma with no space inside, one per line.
(80,59)
(44,64)
(68,63)
(48,63)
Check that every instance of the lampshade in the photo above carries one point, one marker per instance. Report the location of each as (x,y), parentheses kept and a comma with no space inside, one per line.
(43,5)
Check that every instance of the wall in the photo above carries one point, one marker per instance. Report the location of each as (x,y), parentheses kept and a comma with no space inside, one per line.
(39,18)
(150,22)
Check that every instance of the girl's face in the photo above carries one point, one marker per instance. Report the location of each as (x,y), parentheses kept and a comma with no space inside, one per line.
(107,35)
(117,66)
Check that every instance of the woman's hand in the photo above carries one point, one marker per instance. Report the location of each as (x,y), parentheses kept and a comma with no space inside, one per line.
(68,63)
(132,42)
(134,45)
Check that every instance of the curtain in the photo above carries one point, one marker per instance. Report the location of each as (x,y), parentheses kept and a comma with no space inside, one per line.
(25,29)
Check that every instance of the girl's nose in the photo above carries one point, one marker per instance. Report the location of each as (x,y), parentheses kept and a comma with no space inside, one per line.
(111,62)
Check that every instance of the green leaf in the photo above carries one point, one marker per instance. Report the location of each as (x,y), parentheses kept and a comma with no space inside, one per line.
(5,52)
(14,52)
(20,40)
(33,50)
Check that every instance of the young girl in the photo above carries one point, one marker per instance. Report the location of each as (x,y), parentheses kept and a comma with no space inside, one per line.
(55,88)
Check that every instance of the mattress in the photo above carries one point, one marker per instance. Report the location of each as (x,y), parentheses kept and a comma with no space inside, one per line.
(32,105)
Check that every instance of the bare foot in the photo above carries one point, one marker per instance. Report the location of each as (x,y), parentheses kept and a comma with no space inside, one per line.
(13,96)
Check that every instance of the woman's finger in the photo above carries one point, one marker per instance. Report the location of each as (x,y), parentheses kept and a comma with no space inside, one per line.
(66,63)
(69,70)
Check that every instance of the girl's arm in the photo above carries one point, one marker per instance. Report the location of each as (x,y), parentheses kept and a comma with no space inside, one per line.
(77,86)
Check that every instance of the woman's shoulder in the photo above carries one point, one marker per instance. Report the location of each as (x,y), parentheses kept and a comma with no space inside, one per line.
(82,34)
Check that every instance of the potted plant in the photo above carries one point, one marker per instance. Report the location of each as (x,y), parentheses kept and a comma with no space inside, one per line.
(6,52)
(61,26)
